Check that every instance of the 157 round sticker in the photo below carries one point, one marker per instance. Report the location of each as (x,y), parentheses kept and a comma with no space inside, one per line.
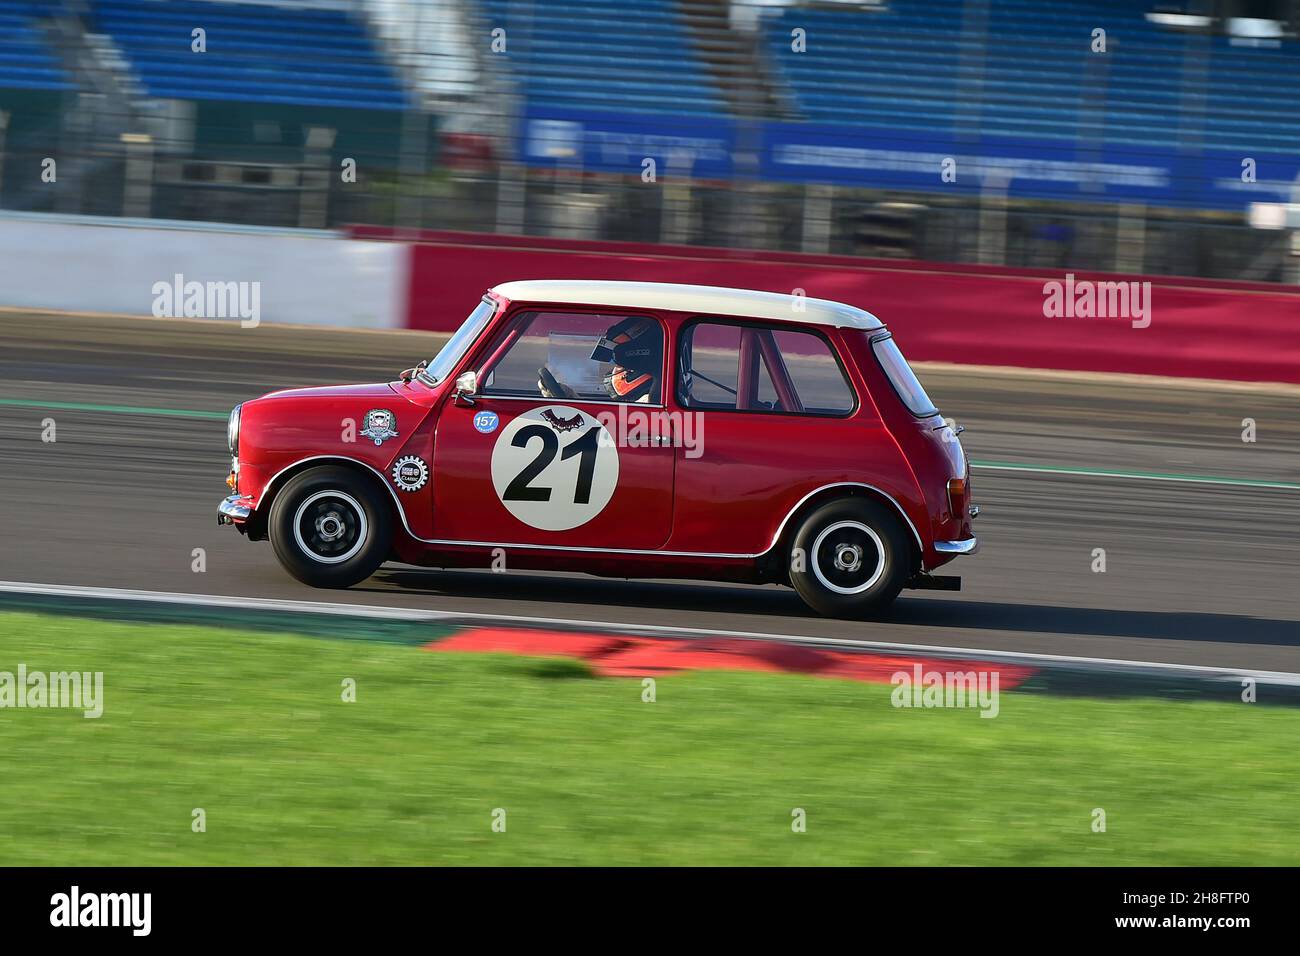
(555,467)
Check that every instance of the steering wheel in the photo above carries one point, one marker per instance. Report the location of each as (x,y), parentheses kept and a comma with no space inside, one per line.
(552,387)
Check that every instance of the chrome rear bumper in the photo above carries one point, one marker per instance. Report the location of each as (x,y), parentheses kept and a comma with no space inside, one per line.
(969,546)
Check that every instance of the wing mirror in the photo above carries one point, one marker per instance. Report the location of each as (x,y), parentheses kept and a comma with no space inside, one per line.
(466,386)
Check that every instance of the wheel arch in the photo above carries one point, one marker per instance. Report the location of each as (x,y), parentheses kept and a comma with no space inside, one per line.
(775,559)
(257,521)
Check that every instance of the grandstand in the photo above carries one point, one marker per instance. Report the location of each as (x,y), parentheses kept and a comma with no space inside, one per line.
(605,55)
(1029,74)
(255,53)
(33,87)
(26,60)
(269,74)
(538,115)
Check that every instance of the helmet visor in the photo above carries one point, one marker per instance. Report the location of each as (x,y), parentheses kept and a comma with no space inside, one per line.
(604,350)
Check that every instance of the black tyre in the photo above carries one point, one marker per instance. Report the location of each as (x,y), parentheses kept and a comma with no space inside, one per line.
(330,528)
(850,558)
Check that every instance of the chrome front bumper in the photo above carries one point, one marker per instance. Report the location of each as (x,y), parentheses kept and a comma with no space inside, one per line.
(969,546)
(230,510)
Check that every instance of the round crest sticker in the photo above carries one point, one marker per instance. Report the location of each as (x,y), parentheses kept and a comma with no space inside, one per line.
(486,422)
(555,467)
(410,473)
(381,425)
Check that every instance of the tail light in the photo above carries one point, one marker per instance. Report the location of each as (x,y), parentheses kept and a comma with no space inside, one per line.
(957,495)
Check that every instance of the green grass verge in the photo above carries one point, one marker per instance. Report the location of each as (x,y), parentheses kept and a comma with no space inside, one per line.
(251,727)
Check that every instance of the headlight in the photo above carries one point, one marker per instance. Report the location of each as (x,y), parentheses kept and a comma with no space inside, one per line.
(232,430)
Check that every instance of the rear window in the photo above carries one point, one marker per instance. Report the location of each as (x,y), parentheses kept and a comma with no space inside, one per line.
(901,376)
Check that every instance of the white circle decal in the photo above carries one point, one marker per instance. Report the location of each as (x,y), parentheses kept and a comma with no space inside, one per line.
(555,467)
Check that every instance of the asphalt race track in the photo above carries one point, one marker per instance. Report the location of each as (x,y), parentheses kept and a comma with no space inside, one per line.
(1197,573)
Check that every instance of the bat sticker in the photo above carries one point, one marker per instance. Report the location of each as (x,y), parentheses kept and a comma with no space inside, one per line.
(562,424)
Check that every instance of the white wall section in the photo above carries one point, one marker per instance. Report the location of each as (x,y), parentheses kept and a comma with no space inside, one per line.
(83,264)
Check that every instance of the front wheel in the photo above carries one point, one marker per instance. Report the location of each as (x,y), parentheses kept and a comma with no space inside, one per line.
(330,528)
(850,558)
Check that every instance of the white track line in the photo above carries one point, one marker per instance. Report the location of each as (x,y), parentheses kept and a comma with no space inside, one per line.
(420,614)
(1138,476)
(221,601)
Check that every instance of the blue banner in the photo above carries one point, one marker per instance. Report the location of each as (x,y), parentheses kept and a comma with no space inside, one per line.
(585,140)
(868,157)
(877,158)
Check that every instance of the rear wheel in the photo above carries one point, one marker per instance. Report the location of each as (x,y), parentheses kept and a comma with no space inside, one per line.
(330,528)
(850,558)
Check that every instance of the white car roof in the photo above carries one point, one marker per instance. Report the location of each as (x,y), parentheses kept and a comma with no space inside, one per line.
(705,299)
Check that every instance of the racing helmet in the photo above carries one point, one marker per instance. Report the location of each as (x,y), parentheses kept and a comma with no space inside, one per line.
(634,348)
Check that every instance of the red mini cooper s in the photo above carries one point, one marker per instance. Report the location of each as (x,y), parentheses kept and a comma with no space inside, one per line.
(625,429)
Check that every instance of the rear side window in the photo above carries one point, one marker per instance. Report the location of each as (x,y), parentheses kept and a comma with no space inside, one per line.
(744,367)
(901,376)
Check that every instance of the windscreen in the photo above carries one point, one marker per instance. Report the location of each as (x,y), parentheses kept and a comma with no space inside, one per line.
(464,336)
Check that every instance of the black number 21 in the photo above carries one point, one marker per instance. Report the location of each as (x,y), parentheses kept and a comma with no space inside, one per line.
(521,487)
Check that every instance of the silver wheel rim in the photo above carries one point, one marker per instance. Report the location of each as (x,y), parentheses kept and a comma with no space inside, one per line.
(342,517)
(856,551)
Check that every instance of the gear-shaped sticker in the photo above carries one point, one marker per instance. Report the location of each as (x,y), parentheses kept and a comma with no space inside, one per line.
(410,473)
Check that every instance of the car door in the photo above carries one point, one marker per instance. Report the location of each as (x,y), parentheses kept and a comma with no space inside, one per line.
(770,414)
(580,467)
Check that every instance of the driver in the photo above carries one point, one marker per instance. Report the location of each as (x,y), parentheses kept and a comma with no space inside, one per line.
(633,348)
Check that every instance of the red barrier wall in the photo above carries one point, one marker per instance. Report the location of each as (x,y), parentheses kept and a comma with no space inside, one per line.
(939,312)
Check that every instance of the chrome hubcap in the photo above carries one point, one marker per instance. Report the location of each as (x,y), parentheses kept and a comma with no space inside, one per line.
(848,557)
(330,526)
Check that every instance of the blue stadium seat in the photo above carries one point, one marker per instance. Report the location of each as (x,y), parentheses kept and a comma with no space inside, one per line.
(255,53)
(26,62)
(902,69)
(605,54)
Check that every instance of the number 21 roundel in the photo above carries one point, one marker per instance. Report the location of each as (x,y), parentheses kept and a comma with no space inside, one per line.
(555,467)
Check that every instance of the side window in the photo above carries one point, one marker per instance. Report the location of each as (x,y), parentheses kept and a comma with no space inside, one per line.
(581,357)
(748,367)
(711,366)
